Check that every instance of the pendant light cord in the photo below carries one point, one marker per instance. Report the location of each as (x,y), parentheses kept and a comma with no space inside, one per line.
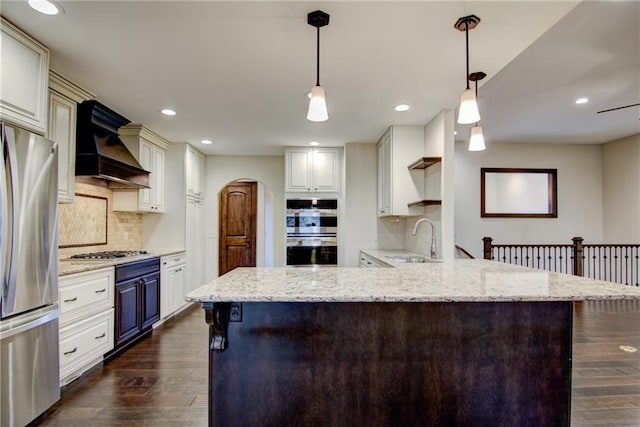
(466,33)
(318,58)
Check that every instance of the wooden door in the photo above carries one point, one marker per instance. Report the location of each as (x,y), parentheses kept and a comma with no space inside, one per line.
(237,226)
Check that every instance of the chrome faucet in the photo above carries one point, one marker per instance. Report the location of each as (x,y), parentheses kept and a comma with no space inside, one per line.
(434,248)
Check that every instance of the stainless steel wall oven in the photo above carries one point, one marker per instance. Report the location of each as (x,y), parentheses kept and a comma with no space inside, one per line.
(312,232)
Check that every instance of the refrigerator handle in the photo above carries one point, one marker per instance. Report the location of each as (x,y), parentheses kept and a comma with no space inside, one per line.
(10,187)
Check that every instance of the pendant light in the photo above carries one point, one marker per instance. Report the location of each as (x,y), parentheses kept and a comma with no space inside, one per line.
(476,142)
(468,110)
(317,104)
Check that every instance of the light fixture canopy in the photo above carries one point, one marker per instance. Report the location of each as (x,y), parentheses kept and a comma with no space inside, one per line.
(468,110)
(317,104)
(476,142)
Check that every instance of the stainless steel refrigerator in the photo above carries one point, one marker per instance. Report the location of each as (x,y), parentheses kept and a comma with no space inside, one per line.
(29,367)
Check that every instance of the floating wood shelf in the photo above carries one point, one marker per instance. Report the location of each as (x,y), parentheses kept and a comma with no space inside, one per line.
(424,203)
(425,162)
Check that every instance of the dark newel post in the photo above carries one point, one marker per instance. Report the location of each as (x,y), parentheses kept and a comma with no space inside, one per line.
(487,247)
(577,256)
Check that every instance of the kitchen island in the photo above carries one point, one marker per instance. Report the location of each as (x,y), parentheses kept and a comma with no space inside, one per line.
(467,342)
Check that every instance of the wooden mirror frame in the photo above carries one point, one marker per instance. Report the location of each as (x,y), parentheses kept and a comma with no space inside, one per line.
(552,191)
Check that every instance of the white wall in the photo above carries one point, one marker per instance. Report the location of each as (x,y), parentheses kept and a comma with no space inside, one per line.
(580,200)
(221,170)
(621,187)
(359,210)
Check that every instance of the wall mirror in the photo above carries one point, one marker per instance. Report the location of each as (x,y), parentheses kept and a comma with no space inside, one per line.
(518,193)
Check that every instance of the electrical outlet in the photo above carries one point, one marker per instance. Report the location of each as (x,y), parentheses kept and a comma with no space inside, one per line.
(235,312)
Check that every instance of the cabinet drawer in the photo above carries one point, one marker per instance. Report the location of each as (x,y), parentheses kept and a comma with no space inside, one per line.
(85,341)
(85,293)
(170,261)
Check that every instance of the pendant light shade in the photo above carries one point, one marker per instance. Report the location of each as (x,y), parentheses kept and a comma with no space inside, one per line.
(468,111)
(317,104)
(476,142)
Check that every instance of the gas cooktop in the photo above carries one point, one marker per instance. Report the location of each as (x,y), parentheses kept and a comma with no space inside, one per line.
(108,254)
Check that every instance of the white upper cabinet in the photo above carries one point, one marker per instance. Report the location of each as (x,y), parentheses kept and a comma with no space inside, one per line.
(312,169)
(150,149)
(397,188)
(194,172)
(64,97)
(24,67)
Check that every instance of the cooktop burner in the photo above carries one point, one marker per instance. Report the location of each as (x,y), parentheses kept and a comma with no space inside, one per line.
(108,254)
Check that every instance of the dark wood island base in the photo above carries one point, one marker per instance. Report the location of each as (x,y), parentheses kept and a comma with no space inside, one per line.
(390,363)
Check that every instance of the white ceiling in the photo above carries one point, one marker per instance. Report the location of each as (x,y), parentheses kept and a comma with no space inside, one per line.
(238,72)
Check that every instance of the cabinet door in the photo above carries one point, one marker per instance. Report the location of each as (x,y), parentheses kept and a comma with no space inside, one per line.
(62,129)
(326,169)
(180,285)
(157,180)
(24,66)
(194,171)
(384,175)
(150,289)
(128,321)
(144,157)
(195,247)
(298,165)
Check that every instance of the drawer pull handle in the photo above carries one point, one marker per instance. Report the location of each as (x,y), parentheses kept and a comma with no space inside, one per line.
(100,291)
(71,299)
(66,353)
(104,334)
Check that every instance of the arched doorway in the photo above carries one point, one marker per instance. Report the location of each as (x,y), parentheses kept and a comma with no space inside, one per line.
(238,226)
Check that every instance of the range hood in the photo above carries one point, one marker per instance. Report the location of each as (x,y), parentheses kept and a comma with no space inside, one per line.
(99,151)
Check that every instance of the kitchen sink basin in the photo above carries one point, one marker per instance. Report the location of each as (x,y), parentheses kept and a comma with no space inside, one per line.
(412,259)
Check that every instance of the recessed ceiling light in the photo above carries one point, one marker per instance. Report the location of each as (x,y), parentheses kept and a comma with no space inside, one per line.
(401,107)
(168,112)
(206,141)
(582,100)
(314,143)
(45,6)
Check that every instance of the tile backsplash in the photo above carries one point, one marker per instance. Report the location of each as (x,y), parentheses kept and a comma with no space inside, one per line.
(124,229)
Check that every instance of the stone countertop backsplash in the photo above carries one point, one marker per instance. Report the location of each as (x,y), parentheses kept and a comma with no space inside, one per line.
(72,265)
(459,280)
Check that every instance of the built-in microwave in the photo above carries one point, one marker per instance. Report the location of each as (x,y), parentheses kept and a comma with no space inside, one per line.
(312,232)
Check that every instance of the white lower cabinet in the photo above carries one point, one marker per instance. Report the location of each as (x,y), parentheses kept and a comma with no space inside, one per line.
(86,320)
(173,284)
(83,344)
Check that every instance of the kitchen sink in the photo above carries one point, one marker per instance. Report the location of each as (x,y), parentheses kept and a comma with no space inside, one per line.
(412,259)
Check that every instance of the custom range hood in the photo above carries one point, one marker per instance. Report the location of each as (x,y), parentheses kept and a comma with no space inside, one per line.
(99,151)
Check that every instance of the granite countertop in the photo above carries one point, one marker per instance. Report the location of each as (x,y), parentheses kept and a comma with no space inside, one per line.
(72,265)
(458,280)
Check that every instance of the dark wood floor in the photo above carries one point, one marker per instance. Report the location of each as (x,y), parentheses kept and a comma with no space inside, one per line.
(162,381)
